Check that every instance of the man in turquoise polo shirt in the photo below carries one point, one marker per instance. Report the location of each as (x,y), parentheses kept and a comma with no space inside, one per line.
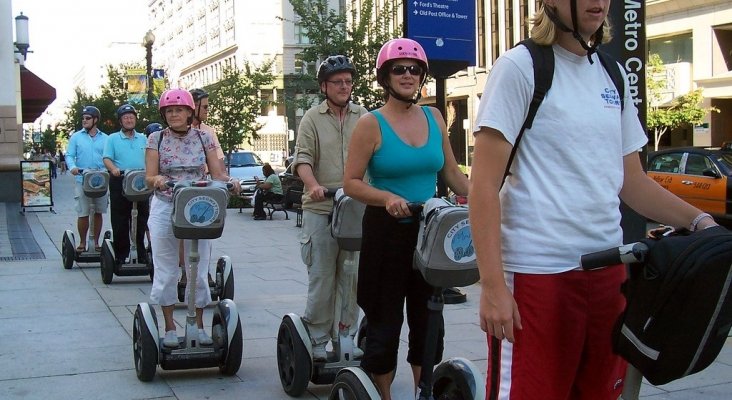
(84,151)
(125,151)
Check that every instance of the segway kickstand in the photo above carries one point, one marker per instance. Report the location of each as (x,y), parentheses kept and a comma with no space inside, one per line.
(632,386)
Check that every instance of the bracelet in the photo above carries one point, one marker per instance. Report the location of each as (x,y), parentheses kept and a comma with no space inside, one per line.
(699,218)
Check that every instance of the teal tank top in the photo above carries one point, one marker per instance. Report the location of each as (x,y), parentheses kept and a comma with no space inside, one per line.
(408,171)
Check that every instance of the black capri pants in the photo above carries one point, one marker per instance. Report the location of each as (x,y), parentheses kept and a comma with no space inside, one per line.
(386,279)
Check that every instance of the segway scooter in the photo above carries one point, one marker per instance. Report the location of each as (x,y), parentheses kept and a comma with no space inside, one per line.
(199,210)
(221,285)
(94,184)
(445,256)
(294,345)
(135,190)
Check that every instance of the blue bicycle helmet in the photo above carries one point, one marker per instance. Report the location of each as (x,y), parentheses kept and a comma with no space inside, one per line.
(153,127)
(91,111)
(126,109)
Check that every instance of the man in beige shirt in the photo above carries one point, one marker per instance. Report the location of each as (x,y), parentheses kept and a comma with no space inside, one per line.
(320,157)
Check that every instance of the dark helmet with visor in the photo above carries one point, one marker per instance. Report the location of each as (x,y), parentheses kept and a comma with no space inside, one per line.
(91,111)
(334,64)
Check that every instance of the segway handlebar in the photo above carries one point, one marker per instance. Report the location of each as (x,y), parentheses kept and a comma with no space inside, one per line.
(625,254)
(198,183)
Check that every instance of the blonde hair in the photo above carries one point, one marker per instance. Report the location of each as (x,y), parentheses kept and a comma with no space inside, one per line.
(545,32)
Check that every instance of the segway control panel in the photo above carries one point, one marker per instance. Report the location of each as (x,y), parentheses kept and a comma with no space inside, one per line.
(199,209)
(95,183)
(134,186)
(445,254)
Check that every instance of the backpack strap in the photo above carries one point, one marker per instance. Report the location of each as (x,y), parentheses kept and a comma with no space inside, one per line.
(613,69)
(543,60)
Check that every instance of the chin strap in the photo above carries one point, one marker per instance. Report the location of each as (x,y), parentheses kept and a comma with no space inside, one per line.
(552,14)
(180,132)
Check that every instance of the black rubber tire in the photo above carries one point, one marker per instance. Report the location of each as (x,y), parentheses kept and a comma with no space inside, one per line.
(143,346)
(293,360)
(67,252)
(234,352)
(347,386)
(107,264)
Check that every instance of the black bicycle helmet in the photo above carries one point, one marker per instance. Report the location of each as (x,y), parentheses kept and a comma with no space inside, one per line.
(334,64)
(198,94)
(91,111)
(153,127)
(125,109)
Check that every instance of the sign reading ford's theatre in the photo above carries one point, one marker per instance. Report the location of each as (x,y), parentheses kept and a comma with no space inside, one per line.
(445,28)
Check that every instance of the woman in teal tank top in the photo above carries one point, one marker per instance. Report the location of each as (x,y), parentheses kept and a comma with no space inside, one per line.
(402,147)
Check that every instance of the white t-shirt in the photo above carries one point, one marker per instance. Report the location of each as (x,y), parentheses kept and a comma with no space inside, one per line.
(561,199)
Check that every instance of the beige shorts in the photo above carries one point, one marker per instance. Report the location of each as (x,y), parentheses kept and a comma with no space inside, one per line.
(82,202)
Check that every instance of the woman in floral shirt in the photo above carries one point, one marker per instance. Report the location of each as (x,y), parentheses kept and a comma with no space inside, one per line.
(176,153)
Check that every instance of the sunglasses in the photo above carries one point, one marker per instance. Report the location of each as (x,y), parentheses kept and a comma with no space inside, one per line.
(399,70)
(85,118)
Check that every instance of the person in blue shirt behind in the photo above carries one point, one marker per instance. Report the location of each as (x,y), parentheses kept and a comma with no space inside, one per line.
(84,151)
(125,151)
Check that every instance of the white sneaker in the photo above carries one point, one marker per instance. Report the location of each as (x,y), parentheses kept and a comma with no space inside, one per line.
(203,338)
(170,339)
(319,352)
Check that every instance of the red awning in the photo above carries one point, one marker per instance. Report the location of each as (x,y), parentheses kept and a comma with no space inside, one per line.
(35,95)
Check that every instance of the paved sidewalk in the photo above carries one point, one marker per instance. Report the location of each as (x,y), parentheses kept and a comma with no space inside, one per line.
(64,334)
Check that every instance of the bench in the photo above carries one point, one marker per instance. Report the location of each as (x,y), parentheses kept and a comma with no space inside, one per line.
(273,206)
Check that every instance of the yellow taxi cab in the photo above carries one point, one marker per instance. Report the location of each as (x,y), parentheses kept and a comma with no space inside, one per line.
(700,176)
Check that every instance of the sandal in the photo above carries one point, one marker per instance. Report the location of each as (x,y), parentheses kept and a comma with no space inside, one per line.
(98,249)
(80,249)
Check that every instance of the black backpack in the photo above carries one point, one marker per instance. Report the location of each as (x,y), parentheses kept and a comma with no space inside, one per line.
(543,59)
(679,306)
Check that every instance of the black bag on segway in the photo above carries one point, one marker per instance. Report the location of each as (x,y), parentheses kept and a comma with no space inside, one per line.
(445,254)
(345,225)
(679,308)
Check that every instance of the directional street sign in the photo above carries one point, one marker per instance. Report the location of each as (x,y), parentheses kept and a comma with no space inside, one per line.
(445,28)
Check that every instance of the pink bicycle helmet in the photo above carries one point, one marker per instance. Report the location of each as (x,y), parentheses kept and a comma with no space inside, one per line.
(176,97)
(401,48)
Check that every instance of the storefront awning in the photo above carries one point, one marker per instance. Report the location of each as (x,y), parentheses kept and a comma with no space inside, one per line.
(35,94)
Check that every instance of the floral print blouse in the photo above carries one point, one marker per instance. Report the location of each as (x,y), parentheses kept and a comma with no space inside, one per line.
(180,157)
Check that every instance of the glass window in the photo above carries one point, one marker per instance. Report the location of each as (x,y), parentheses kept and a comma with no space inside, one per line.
(668,163)
(673,49)
(696,164)
(244,159)
(301,34)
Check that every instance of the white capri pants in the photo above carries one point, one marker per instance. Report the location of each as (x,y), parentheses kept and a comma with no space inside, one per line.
(165,258)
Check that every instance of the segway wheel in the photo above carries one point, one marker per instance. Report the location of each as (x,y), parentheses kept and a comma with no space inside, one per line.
(347,386)
(107,263)
(67,252)
(233,350)
(293,359)
(458,378)
(227,289)
(107,234)
(143,345)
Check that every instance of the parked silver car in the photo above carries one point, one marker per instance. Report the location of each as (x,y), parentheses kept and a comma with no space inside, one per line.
(245,166)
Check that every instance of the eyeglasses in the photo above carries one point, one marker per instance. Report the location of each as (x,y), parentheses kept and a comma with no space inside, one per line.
(85,118)
(341,83)
(399,70)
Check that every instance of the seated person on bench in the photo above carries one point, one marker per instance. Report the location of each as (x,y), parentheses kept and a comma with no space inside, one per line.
(270,191)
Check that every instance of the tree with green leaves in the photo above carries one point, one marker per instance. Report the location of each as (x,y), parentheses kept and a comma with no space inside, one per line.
(236,102)
(359,37)
(112,95)
(683,110)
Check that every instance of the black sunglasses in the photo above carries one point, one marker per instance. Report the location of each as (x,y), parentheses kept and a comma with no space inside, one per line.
(414,70)
(85,118)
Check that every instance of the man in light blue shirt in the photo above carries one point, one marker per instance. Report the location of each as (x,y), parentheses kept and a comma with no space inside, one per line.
(125,151)
(85,152)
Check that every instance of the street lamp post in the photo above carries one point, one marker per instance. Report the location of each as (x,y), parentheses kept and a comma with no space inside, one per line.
(21,35)
(148,41)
